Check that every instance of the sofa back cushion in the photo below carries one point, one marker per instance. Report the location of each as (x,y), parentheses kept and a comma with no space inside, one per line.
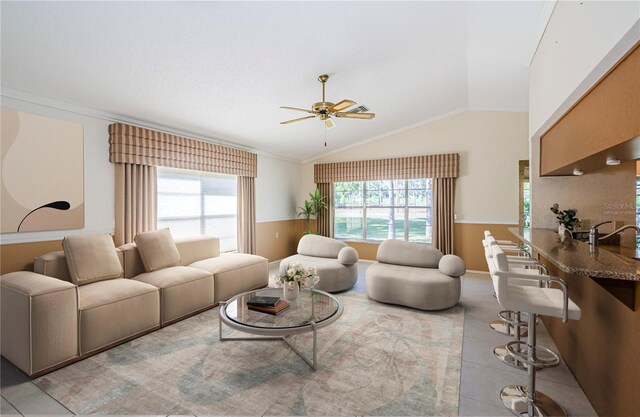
(319,246)
(397,252)
(157,249)
(91,258)
(191,250)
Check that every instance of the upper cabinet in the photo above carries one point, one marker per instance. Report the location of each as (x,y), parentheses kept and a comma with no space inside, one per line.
(603,124)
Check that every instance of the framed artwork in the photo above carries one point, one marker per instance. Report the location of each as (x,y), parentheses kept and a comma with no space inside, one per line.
(41,161)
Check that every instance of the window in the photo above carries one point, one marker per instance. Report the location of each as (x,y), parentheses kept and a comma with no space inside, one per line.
(193,203)
(379,210)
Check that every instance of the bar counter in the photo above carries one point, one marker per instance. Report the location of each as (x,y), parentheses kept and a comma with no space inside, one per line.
(575,257)
(601,349)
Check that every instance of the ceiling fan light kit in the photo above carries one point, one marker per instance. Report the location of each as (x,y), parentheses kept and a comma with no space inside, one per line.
(325,110)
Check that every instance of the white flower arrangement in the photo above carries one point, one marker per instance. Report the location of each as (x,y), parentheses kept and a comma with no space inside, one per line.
(304,276)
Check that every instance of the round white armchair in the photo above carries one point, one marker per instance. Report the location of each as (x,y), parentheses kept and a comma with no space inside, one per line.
(336,263)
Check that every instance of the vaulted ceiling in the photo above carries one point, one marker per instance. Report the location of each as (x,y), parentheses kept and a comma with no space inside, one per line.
(222,69)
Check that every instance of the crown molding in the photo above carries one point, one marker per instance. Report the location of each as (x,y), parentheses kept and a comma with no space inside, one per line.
(112,117)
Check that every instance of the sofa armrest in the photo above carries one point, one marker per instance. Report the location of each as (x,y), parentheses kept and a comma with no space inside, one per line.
(348,256)
(39,321)
(452,266)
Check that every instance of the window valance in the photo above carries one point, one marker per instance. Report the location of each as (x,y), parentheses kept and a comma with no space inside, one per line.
(135,145)
(426,166)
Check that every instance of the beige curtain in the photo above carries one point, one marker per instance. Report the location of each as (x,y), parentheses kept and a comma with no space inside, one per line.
(443,200)
(247,215)
(324,217)
(135,201)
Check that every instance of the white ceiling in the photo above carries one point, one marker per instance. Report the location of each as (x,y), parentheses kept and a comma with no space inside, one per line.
(222,69)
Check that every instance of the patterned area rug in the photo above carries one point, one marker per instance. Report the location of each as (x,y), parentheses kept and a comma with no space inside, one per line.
(375,360)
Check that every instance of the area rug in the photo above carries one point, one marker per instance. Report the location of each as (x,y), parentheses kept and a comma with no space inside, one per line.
(376,359)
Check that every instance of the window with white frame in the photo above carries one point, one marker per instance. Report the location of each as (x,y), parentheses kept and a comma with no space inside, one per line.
(193,203)
(379,210)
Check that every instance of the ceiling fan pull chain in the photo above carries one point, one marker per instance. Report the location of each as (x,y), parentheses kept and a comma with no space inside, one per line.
(325,136)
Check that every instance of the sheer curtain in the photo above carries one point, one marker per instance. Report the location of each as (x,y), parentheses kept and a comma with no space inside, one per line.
(443,211)
(136,191)
(247,215)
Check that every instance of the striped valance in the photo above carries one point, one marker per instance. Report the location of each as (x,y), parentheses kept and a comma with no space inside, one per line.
(427,166)
(135,145)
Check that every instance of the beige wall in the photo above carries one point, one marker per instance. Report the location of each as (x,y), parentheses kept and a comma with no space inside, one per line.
(490,145)
(581,42)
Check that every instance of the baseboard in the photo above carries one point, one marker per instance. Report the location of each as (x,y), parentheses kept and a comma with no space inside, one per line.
(475,271)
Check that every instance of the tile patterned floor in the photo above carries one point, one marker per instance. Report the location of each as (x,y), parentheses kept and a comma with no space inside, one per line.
(481,379)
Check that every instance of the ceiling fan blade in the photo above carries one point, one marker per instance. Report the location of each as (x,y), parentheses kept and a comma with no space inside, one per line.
(297,120)
(296,109)
(341,105)
(329,123)
(356,115)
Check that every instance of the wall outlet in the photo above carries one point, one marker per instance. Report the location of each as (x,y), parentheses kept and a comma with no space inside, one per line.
(277,235)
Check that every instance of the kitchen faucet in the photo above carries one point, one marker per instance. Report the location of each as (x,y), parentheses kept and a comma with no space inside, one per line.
(594,235)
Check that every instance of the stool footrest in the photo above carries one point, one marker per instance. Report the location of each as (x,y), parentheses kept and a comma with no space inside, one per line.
(542,357)
(509,316)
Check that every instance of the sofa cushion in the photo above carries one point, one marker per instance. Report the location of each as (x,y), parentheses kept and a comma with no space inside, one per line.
(157,249)
(235,273)
(334,276)
(320,246)
(397,252)
(91,258)
(183,290)
(114,310)
(422,288)
(197,248)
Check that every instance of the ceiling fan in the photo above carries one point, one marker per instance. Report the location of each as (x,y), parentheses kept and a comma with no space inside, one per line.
(326,109)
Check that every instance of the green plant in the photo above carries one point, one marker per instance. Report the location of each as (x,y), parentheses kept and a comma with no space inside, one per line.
(566,217)
(312,207)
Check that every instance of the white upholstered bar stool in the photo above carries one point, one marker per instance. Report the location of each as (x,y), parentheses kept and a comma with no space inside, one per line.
(507,320)
(553,302)
(511,318)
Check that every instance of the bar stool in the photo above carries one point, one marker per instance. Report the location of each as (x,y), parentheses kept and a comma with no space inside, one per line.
(510,318)
(552,302)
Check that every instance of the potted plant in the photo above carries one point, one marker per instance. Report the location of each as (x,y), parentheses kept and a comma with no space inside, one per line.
(566,219)
(312,207)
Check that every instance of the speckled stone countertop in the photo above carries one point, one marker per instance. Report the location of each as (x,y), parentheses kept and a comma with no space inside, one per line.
(574,257)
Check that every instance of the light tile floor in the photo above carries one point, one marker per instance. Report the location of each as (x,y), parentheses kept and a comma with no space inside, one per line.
(482,376)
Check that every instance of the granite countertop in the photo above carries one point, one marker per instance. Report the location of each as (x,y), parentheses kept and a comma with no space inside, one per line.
(575,257)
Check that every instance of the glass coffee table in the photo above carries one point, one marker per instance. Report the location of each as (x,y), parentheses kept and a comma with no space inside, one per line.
(311,311)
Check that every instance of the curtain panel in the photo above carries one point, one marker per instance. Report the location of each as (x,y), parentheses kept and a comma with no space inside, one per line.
(247,215)
(443,212)
(135,145)
(426,166)
(324,219)
(136,191)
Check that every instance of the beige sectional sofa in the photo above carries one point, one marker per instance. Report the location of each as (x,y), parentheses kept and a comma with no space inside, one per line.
(54,316)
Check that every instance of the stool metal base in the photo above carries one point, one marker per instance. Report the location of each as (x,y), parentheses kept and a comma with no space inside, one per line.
(504,328)
(543,357)
(502,354)
(514,397)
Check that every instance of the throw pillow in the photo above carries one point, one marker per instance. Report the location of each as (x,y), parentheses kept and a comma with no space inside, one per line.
(91,258)
(157,249)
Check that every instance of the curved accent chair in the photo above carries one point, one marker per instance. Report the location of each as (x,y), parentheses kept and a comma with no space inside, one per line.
(336,263)
(415,275)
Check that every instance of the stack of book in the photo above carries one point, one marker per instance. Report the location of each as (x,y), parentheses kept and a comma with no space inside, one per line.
(269,305)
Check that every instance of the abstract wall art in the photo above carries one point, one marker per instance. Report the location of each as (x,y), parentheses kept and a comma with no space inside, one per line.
(41,161)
